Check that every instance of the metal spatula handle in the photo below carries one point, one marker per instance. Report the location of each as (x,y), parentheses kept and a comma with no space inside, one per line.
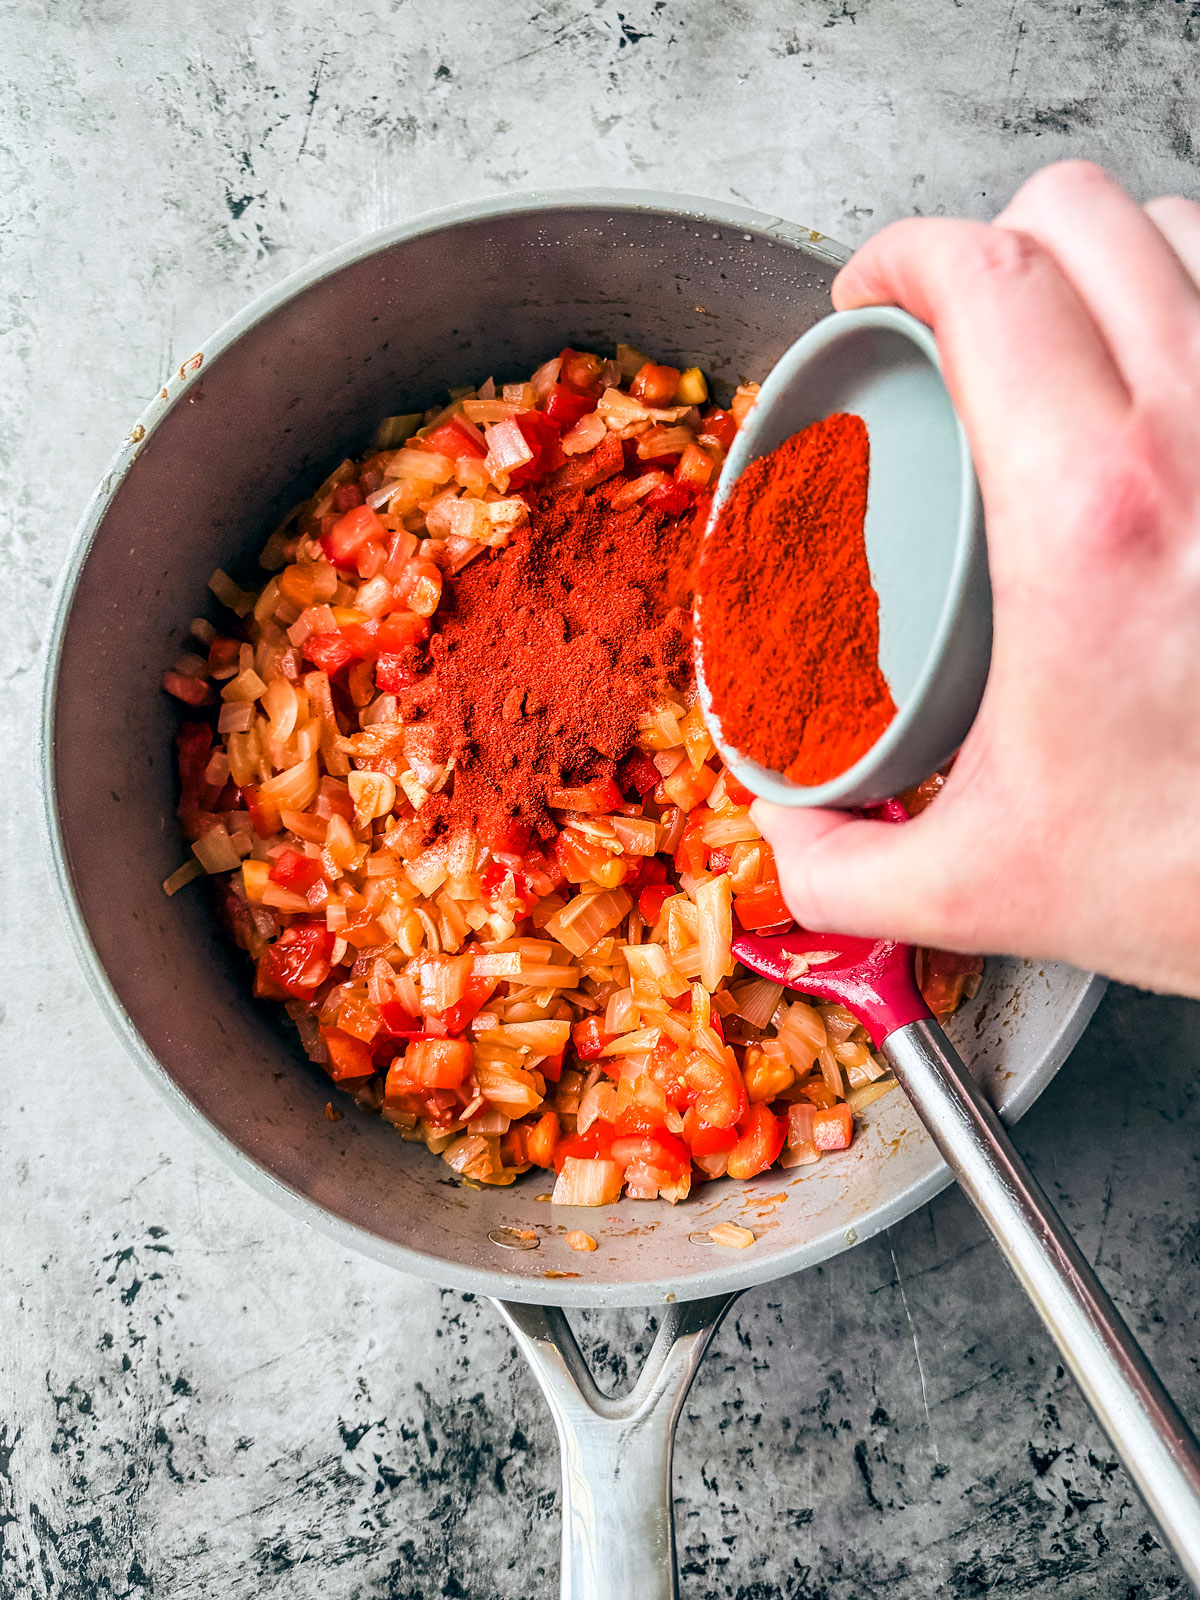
(1139,1416)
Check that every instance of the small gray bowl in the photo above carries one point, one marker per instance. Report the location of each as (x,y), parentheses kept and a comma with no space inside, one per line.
(924,533)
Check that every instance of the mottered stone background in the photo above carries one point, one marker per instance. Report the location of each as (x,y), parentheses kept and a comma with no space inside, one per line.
(199,1397)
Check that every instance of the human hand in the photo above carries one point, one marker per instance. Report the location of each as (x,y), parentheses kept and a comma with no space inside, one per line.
(1069,828)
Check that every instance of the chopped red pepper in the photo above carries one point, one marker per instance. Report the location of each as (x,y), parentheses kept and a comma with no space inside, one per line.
(589,1038)
(541,434)
(346,536)
(296,964)
(761,907)
(455,440)
(565,406)
(295,871)
(452,1021)
(398,1023)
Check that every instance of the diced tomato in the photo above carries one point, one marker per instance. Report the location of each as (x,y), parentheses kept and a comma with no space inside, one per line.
(193,692)
(580,371)
(397,1022)
(541,1140)
(719,425)
(737,792)
(703,1140)
(193,745)
(264,814)
(720,1094)
(658,1149)
(454,440)
(833,1127)
(329,652)
(761,907)
(583,860)
(672,499)
(655,385)
(719,859)
(296,964)
(395,673)
(541,433)
(944,979)
(760,1139)
(295,871)
(506,836)
(589,1038)
(595,1144)
(651,901)
(401,629)
(434,1063)
(223,653)
(346,496)
(644,870)
(452,1021)
(637,773)
(348,1057)
(346,536)
(691,854)
(565,406)
(598,797)
(551,1067)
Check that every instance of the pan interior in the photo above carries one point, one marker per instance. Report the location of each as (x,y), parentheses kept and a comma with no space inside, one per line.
(277,400)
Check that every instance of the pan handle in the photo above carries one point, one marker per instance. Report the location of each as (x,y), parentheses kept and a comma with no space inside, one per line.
(1119,1384)
(618,1528)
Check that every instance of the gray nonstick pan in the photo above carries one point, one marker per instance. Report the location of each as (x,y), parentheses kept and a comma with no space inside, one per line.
(284,391)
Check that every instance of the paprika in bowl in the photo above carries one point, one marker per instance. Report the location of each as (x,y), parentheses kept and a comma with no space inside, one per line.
(844,609)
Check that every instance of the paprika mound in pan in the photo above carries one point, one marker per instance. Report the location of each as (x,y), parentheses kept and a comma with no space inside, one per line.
(787,612)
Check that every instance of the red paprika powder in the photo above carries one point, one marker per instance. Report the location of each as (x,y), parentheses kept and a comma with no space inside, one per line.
(550,649)
(787,616)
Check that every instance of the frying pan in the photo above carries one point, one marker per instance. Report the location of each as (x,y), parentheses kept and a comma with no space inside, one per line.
(281,394)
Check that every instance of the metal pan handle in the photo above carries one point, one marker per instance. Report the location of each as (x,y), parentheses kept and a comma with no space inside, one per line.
(1131,1405)
(618,1527)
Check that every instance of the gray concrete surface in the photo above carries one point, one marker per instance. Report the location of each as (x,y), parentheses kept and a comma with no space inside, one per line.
(198,1397)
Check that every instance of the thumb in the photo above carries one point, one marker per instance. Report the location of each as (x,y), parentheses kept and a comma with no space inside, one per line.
(840,874)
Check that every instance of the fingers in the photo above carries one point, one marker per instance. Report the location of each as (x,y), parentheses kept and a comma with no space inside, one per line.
(1023,360)
(1128,277)
(877,879)
(1178,221)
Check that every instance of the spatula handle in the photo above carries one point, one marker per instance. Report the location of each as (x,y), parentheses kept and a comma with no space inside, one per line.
(1139,1416)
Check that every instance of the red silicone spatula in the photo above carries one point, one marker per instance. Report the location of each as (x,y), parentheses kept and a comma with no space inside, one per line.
(875,980)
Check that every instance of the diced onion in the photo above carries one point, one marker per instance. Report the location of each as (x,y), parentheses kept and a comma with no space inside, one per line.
(757,1000)
(182,875)
(215,852)
(585,435)
(508,447)
(732,1235)
(714,908)
(587,918)
(295,789)
(239,601)
(587,1183)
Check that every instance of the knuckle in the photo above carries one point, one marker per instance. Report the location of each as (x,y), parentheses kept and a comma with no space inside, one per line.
(1132,501)
(1002,256)
(1062,178)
